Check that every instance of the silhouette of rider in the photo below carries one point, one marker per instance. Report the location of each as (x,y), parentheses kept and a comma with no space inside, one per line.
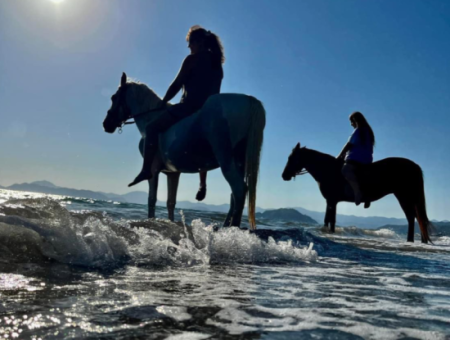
(357,151)
(200,76)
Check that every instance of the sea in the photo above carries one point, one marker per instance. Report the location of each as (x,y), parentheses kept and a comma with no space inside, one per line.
(76,268)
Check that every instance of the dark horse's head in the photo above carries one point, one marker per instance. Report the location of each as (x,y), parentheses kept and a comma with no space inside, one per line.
(295,165)
(119,111)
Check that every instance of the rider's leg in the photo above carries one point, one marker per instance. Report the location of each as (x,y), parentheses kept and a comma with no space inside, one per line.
(348,171)
(152,131)
(201,194)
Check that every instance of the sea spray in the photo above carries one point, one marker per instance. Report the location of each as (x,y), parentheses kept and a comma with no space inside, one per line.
(93,239)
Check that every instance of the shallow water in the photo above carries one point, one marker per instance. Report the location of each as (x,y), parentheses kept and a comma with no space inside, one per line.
(80,268)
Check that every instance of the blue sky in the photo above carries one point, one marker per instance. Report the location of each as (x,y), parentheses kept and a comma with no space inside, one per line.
(310,62)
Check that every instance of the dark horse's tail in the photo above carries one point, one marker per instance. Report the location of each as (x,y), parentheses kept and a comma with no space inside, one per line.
(421,211)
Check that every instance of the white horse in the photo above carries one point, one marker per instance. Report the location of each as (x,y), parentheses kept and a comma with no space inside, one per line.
(227,133)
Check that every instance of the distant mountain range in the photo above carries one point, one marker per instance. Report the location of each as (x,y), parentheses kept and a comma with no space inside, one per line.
(140,197)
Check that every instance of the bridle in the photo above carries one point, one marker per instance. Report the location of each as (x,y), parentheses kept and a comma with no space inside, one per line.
(299,173)
(122,98)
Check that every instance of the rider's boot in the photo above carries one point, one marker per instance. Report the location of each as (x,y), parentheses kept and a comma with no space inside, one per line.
(150,148)
(357,191)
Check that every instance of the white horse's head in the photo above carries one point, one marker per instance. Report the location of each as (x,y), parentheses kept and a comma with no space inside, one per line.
(129,100)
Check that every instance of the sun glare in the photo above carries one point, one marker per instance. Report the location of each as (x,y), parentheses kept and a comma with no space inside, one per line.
(56,1)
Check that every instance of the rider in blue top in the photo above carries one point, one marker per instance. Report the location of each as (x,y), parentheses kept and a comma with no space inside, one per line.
(357,151)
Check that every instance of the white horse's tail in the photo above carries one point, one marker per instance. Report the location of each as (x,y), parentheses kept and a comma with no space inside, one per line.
(253,154)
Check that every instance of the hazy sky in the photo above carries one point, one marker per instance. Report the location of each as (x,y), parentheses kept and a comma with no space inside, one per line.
(310,62)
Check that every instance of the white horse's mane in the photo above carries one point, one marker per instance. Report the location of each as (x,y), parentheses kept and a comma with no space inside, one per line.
(145,97)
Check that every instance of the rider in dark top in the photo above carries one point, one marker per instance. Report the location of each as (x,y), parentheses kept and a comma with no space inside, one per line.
(200,76)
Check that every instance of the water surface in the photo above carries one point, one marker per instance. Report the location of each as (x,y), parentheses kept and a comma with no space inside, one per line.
(80,268)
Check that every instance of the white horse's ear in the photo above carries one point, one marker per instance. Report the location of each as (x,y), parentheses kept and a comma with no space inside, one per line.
(123,80)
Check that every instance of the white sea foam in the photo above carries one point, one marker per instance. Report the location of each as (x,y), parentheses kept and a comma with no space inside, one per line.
(189,336)
(443,240)
(175,312)
(355,231)
(89,239)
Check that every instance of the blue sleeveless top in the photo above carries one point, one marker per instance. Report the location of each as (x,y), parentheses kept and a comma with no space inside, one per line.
(362,147)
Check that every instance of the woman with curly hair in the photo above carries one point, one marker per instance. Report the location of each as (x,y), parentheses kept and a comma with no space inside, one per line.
(200,76)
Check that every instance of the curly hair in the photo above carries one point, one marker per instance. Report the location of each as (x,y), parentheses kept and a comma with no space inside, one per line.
(211,40)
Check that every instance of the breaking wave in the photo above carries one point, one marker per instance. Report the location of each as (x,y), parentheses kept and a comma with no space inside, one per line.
(41,229)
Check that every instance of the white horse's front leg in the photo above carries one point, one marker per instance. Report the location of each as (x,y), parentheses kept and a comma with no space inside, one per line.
(153,194)
(173,179)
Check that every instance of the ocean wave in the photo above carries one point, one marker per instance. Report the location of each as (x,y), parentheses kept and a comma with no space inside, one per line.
(41,229)
(355,231)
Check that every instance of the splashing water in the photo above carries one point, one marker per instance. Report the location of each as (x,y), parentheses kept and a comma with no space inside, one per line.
(91,239)
(80,268)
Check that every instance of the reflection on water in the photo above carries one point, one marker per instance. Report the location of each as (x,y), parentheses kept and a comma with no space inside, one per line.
(109,279)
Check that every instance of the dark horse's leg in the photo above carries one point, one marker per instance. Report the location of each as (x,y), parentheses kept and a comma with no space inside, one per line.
(331,212)
(409,210)
(326,220)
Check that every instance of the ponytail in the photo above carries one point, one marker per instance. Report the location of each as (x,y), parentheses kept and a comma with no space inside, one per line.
(214,44)
(211,40)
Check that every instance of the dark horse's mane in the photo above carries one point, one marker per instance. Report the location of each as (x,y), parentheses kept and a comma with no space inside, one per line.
(323,157)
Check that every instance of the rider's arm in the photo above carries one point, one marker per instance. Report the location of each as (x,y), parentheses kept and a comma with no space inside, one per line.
(346,148)
(354,139)
(180,79)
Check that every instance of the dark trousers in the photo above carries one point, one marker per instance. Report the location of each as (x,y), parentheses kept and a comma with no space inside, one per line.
(170,117)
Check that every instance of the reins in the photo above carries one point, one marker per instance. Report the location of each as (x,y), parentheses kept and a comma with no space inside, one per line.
(125,122)
(139,114)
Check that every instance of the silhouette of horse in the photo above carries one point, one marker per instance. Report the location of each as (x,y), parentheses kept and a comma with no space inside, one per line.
(227,133)
(398,176)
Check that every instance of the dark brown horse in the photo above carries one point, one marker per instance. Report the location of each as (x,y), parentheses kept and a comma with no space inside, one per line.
(398,176)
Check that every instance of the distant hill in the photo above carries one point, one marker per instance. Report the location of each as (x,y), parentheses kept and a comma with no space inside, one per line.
(141,197)
(45,184)
(114,197)
(286,214)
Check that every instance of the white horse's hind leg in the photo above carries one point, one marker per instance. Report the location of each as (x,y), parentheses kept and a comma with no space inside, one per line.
(219,137)
(235,178)
(239,190)
(230,212)
(172,188)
